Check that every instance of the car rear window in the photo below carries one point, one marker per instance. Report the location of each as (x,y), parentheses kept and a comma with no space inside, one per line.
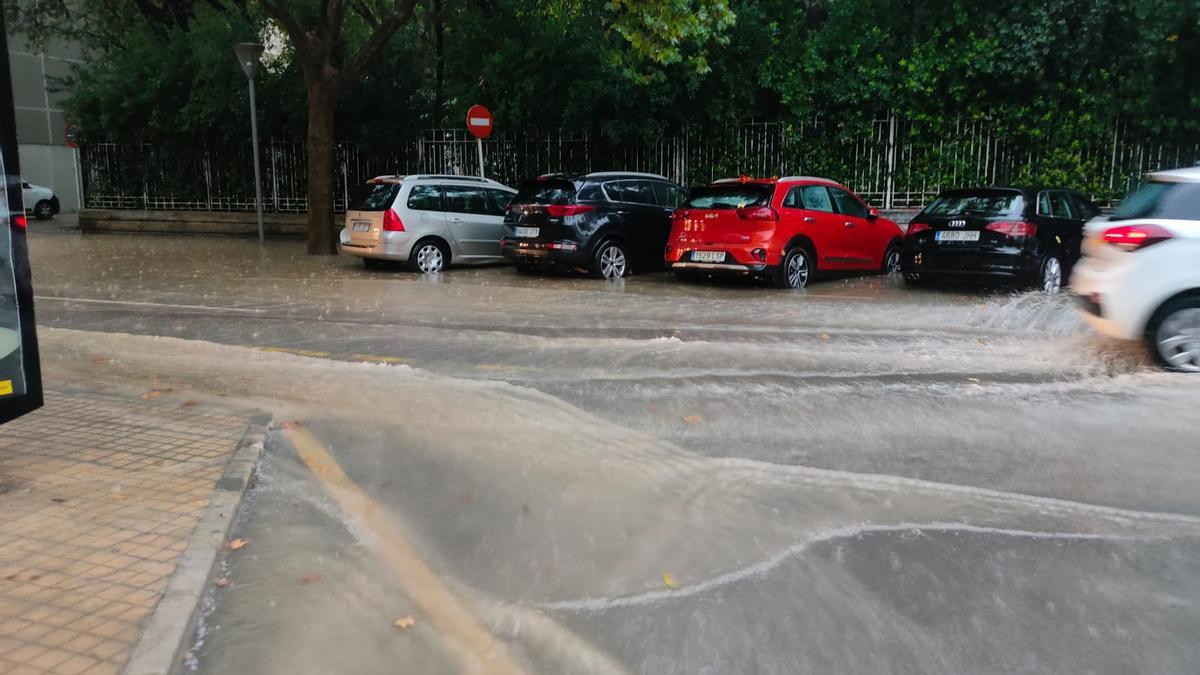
(373,196)
(731,196)
(984,203)
(1161,199)
(545,192)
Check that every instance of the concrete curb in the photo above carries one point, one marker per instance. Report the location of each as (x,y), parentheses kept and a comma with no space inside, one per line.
(174,619)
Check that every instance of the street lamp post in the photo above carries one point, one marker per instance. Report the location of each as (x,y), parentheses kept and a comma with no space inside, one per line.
(248,54)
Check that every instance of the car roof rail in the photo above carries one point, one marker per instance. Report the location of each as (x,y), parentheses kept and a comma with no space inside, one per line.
(820,178)
(441,176)
(630,174)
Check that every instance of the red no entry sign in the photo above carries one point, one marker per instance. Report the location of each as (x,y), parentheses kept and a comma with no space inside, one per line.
(479,121)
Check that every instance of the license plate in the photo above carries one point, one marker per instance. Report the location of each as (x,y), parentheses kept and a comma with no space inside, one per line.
(708,256)
(528,232)
(361,226)
(957,236)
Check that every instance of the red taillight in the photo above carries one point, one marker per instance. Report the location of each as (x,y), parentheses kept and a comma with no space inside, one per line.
(1134,237)
(20,222)
(391,222)
(914,228)
(758,213)
(561,210)
(680,214)
(1013,229)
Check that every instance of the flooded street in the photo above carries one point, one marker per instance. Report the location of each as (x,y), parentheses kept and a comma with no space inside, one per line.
(562,475)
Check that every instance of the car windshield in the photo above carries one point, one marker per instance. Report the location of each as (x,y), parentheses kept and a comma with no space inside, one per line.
(545,192)
(1162,199)
(730,196)
(373,196)
(984,204)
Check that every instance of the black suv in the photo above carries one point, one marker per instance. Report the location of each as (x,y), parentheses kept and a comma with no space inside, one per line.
(1027,236)
(608,223)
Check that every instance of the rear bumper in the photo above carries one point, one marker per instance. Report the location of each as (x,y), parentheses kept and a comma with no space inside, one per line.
(738,260)
(1009,264)
(543,252)
(391,246)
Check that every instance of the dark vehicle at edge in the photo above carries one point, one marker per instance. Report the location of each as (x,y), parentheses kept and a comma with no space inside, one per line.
(1020,236)
(609,223)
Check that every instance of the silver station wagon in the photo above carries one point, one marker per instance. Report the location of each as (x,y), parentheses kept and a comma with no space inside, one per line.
(428,222)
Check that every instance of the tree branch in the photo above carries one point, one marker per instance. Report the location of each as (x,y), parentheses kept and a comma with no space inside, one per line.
(360,8)
(380,36)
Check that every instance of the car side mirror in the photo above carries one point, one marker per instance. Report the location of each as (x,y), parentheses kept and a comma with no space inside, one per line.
(872,214)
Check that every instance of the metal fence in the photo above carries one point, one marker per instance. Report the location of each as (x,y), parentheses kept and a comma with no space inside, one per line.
(894,163)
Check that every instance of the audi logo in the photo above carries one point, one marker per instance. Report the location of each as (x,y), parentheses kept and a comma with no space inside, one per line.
(958,223)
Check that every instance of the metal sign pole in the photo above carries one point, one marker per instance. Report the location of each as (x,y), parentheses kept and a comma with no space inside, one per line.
(258,201)
(479,141)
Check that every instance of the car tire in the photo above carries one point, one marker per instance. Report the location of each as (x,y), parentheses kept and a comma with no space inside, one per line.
(1173,335)
(1050,275)
(43,210)
(796,269)
(891,261)
(610,261)
(428,256)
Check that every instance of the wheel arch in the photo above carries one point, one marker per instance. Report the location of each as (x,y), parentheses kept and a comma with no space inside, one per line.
(447,249)
(808,245)
(1157,315)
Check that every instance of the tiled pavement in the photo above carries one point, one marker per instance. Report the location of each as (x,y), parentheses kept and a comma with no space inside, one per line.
(98,498)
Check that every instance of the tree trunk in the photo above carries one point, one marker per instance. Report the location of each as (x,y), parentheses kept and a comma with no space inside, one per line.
(322,112)
(439,77)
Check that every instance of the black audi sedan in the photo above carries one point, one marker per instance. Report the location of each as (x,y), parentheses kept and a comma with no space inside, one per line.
(1018,236)
(608,224)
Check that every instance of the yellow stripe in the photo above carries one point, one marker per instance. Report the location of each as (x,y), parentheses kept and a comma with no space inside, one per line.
(297,352)
(444,610)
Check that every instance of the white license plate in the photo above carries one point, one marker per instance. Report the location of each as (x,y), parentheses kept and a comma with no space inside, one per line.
(361,226)
(957,236)
(528,232)
(708,256)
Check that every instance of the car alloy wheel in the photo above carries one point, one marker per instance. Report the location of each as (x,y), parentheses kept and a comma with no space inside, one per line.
(430,259)
(1177,339)
(795,268)
(1052,275)
(43,210)
(612,262)
(891,262)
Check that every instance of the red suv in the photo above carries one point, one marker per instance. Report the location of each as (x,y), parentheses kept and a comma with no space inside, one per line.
(784,230)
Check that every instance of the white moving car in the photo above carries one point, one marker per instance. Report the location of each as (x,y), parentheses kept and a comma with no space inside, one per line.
(1140,274)
(40,201)
(427,221)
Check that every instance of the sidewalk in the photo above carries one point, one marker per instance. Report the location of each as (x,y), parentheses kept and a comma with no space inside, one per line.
(99,498)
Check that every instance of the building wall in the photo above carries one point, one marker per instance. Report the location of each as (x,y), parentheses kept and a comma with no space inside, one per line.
(41,124)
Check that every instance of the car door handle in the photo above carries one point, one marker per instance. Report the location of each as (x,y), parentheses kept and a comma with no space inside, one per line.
(809,219)
(849,224)
(456,220)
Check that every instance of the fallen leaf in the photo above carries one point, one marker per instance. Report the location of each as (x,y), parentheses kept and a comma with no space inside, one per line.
(99,359)
(309,578)
(670,581)
(651,407)
(693,419)
(290,424)
(405,621)
(982,341)
(976,380)
(199,502)
(189,404)
(153,393)
(221,582)
(238,543)
(120,497)
(824,337)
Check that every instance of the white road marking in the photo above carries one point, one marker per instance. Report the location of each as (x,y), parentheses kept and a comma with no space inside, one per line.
(97,301)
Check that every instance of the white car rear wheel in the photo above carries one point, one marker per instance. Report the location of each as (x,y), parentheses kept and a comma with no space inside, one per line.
(1174,335)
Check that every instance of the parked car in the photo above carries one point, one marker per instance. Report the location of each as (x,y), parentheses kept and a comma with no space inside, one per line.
(40,202)
(1025,236)
(427,222)
(784,230)
(609,224)
(1140,274)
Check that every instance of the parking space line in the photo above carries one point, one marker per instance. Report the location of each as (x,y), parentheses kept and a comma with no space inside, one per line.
(374,358)
(480,650)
